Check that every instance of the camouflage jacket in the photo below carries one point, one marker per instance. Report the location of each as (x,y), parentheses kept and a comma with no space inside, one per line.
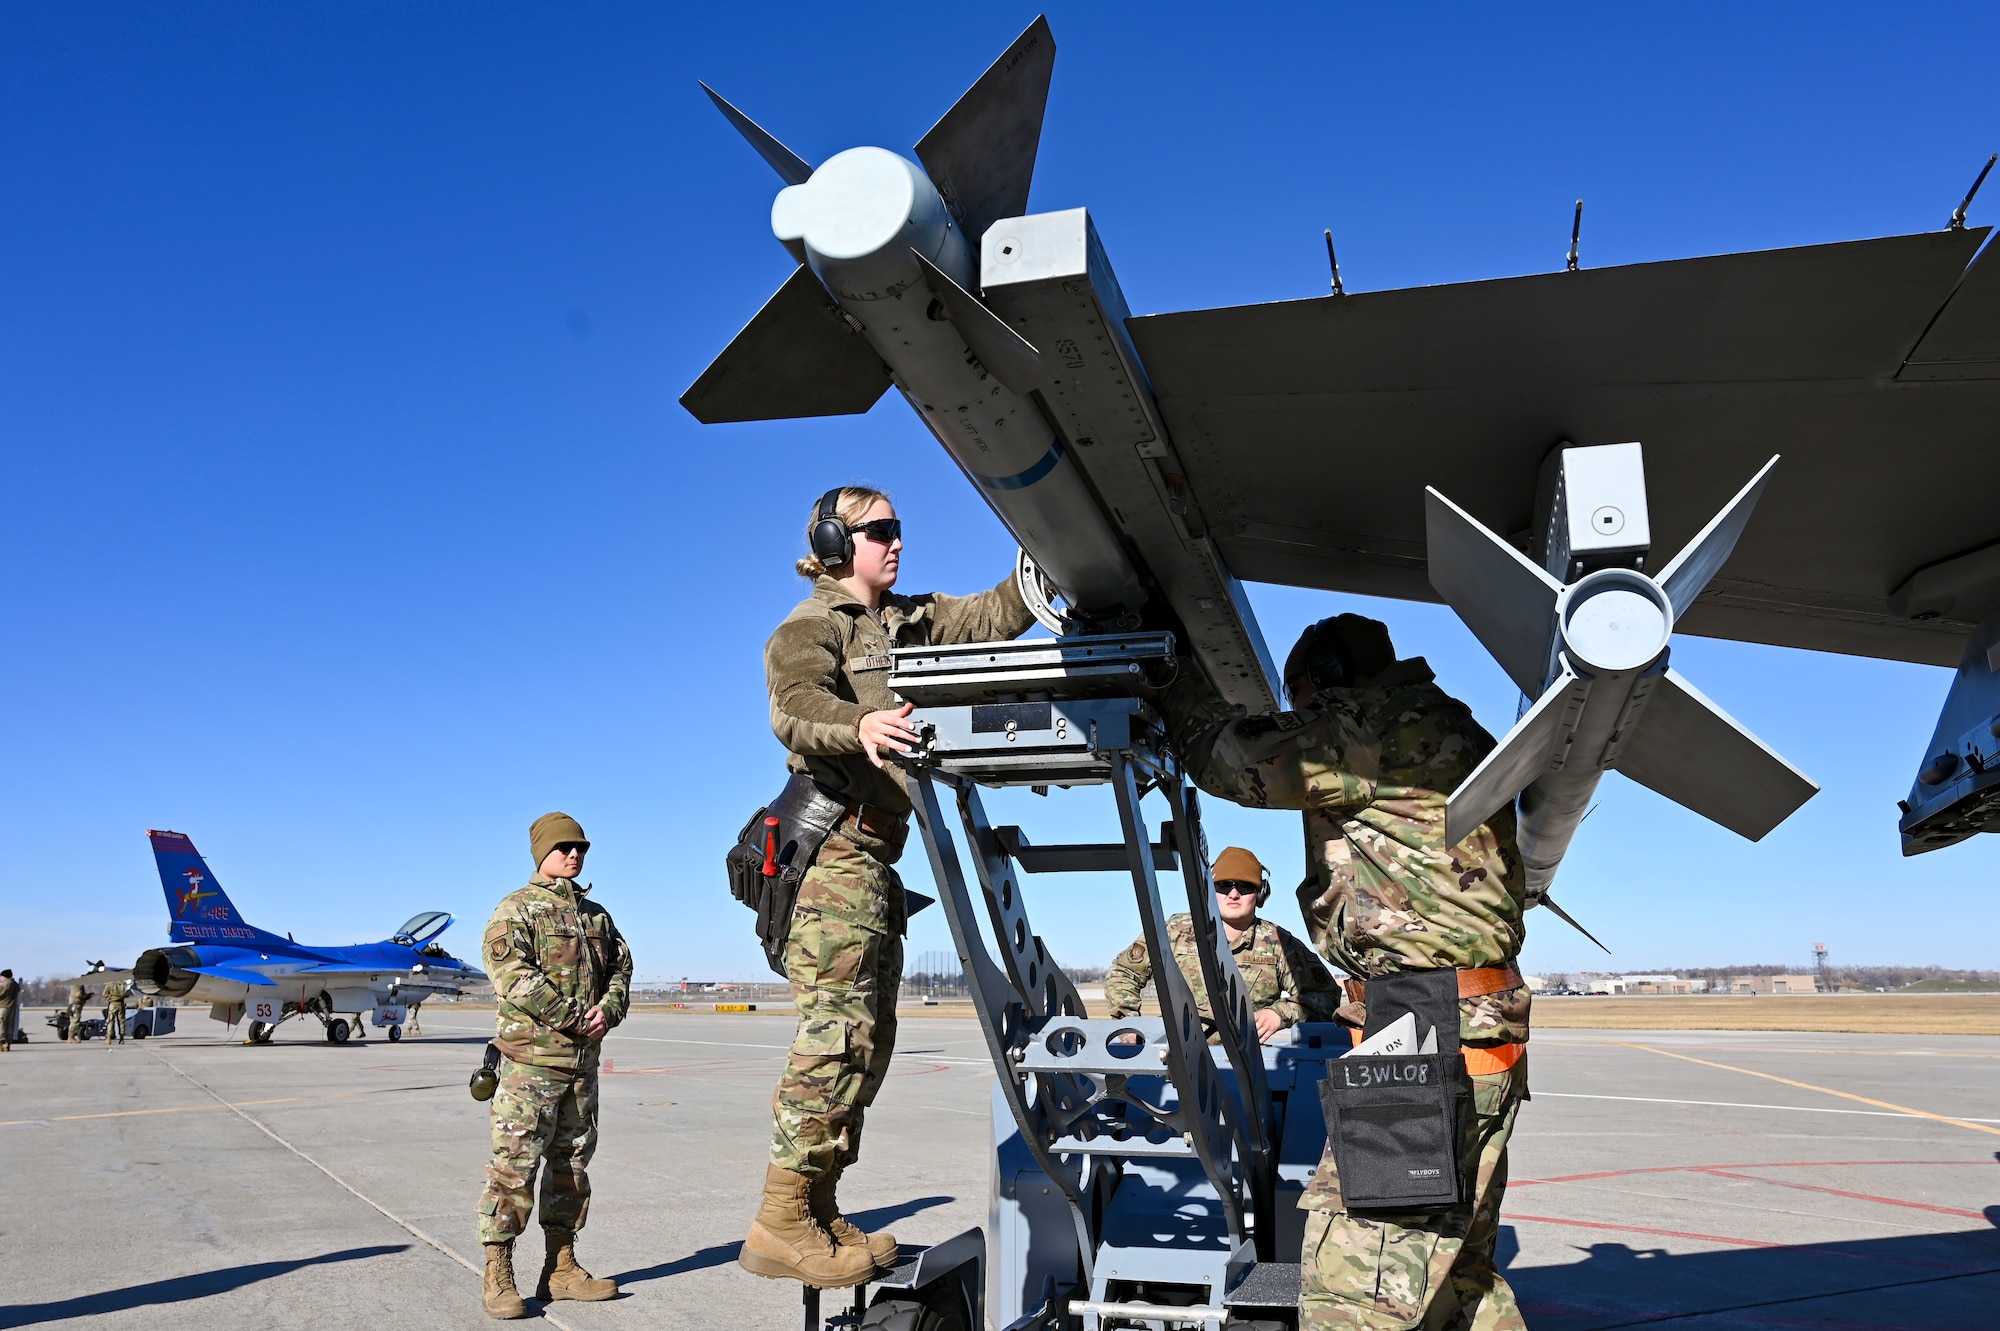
(552,955)
(1371,767)
(827,666)
(1280,972)
(114,994)
(78,995)
(10,991)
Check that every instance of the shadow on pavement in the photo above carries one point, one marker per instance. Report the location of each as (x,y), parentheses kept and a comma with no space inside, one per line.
(1915,1282)
(879,1218)
(177,1289)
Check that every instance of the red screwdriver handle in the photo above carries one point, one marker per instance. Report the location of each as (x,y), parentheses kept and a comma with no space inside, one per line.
(771,847)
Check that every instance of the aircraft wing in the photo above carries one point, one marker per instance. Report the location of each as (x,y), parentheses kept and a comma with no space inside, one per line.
(1310,428)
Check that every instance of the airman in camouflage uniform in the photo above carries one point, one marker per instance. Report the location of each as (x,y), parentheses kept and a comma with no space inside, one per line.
(1280,973)
(562,978)
(10,1009)
(78,997)
(114,1012)
(827,667)
(1370,754)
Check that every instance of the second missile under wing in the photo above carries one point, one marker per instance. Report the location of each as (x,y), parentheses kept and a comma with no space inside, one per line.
(1310,430)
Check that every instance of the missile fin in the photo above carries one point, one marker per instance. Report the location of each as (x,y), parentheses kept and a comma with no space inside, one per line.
(1704,556)
(1694,753)
(783,160)
(1527,751)
(1007,356)
(981,153)
(1507,601)
(798,357)
(1570,920)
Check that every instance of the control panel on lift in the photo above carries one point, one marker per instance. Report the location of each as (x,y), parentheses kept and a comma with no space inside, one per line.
(1038,712)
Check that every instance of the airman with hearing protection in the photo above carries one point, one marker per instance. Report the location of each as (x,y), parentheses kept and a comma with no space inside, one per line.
(1286,982)
(839,941)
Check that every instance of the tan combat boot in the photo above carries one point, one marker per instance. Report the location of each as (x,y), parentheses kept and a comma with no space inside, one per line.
(880,1246)
(785,1242)
(503,1301)
(562,1278)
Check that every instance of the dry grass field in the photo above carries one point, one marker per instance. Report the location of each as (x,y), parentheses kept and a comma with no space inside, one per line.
(1879,1014)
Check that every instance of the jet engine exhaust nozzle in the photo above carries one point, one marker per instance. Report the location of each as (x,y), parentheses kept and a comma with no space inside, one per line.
(166,972)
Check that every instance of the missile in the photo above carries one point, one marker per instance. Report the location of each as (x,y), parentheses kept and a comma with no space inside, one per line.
(876,234)
(1586,637)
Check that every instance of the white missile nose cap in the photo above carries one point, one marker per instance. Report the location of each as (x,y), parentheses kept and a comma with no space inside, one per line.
(1616,619)
(856,203)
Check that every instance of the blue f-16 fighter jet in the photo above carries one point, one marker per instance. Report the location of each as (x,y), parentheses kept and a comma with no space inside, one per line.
(243,971)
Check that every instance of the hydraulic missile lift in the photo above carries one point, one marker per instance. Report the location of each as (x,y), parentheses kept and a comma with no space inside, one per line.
(1142,1177)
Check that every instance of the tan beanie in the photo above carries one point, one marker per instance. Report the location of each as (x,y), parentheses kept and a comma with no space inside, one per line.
(1237,865)
(552,830)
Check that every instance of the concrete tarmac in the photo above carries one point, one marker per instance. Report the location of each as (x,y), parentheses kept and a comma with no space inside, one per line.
(1688,1179)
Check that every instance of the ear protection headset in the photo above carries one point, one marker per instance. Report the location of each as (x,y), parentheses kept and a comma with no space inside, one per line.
(1326,662)
(832,542)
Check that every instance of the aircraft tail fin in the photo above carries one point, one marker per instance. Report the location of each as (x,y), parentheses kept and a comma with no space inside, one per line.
(198,911)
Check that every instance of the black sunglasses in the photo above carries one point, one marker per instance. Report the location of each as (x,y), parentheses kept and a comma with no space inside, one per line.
(886,531)
(1236,887)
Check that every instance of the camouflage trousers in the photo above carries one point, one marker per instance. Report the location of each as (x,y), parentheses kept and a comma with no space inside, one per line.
(9,1023)
(844,958)
(114,1025)
(1434,1270)
(75,1023)
(546,1117)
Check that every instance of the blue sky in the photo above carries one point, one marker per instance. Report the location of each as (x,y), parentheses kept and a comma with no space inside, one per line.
(354,521)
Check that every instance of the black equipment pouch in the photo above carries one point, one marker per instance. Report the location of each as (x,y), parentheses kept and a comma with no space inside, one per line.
(1399,1123)
(806,816)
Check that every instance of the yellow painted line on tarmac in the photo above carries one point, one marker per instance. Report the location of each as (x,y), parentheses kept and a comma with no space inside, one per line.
(190,1109)
(1808,1086)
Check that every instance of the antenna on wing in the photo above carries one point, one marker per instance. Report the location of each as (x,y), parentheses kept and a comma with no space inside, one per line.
(1958,215)
(1334,264)
(1576,234)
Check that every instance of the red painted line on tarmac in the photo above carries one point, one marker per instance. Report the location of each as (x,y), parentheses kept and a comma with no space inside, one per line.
(1857,1196)
(1955,1268)
(1641,1229)
(1774,1164)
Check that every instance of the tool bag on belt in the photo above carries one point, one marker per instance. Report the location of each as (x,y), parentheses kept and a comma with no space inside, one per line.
(772,854)
(1399,1124)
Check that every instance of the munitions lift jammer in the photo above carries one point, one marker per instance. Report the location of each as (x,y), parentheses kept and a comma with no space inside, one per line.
(1137,1173)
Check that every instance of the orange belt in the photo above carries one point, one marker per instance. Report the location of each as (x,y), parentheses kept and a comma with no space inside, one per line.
(1488,980)
(1499,1058)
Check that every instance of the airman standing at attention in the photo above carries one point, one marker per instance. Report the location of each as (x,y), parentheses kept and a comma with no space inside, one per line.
(562,978)
(78,997)
(10,1009)
(1370,752)
(114,1012)
(1287,984)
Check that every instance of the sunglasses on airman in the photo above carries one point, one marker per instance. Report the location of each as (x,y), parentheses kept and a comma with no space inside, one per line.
(884,531)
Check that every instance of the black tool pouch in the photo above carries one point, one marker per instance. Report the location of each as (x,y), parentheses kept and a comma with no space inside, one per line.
(806,816)
(1399,1123)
